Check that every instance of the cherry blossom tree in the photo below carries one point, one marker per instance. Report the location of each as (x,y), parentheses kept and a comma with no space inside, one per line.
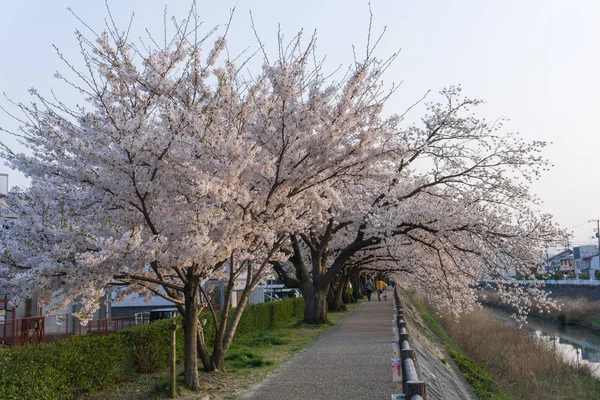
(179,167)
(443,229)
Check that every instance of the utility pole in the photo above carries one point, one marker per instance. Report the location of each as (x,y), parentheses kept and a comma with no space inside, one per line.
(568,247)
(597,221)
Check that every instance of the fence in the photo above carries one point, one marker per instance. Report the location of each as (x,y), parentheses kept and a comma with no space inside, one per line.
(105,326)
(22,331)
(36,330)
(405,367)
(574,282)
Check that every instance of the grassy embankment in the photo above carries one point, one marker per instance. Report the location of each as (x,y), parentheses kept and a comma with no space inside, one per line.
(250,359)
(503,362)
(573,311)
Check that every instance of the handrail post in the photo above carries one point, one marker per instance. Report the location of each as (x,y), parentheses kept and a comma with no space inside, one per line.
(405,353)
(403,335)
(416,388)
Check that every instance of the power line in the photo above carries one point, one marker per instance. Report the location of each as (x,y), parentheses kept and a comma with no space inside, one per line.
(581,224)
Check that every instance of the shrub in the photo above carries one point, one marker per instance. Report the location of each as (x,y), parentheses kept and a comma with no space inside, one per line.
(150,345)
(577,310)
(584,275)
(597,274)
(63,370)
(269,315)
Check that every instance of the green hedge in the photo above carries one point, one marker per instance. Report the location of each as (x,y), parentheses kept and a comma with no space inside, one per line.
(257,317)
(62,370)
(85,364)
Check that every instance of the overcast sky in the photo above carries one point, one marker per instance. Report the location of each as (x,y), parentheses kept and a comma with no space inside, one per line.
(534,62)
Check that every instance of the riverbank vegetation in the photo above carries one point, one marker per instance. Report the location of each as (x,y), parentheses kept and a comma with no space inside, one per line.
(572,311)
(479,379)
(522,365)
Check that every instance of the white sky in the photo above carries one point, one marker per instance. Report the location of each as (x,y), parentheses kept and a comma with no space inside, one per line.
(536,62)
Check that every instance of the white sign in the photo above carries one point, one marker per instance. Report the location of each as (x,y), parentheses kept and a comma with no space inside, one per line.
(396,370)
(4,184)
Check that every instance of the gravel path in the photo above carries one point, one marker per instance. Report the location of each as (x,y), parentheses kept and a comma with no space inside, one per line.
(350,361)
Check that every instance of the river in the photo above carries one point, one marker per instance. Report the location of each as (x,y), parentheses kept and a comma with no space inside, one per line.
(577,345)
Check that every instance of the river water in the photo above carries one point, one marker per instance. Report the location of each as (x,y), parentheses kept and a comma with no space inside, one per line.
(576,344)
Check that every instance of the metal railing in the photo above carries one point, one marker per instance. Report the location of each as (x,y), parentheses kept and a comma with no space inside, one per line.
(43,329)
(106,325)
(22,331)
(574,282)
(142,318)
(413,387)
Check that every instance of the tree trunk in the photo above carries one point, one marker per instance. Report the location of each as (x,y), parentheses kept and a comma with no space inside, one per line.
(218,359)
(360,287)
(203,353)
(338,303)
(190,327)
(315,305)
(331,298)
(346,298)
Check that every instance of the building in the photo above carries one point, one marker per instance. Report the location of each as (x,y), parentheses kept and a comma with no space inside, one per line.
(3,188)
(561,262)
(587,259)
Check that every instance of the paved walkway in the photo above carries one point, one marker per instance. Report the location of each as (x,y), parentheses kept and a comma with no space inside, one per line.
(350,361)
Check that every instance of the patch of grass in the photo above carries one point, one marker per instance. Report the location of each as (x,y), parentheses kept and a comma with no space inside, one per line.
(480,380)
(303,325)
(245,359)
(266,339)
(435,326)
(595,322)
(163,385)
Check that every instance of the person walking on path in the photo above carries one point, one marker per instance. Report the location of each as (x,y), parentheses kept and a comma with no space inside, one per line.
(369,287)
(381,287)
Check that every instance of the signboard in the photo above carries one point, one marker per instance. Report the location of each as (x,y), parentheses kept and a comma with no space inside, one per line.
(395,348)
(396,370)
(4,184)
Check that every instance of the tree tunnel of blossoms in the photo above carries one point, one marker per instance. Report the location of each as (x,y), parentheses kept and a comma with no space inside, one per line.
(179,166)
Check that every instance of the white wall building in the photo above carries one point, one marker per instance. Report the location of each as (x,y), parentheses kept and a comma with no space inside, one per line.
(586,259)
